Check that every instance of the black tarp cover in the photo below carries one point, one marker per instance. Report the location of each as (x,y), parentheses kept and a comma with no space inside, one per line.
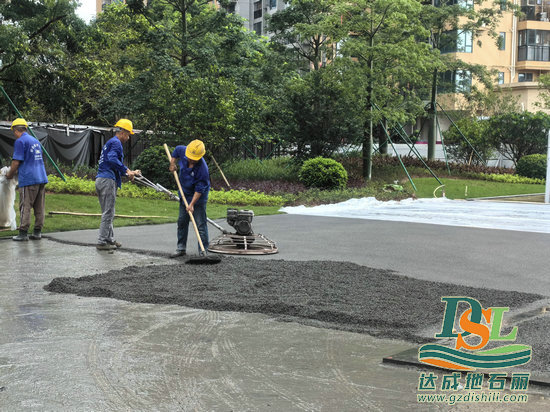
(76,148)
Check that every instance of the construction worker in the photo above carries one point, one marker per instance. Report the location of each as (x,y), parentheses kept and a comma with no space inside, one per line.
(108,180)
(27,162)
(195,182)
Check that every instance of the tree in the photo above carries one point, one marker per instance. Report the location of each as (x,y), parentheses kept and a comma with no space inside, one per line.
(320,111)
(447,20)
(303,26)
(519,134)
(387,41)
(36,36)
(467,151)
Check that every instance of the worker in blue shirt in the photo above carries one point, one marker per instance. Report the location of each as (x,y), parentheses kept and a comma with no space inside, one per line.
(108,180)
(195,182)
(28,163)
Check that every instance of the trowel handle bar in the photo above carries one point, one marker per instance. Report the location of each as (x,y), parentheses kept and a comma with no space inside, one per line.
(216,225)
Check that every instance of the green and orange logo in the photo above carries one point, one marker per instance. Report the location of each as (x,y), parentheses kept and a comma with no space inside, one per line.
(479,327)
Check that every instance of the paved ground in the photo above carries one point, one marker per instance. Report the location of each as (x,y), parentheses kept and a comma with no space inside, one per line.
(63,352)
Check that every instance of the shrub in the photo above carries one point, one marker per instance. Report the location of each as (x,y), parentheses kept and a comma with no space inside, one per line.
(533,166)
(476,131)
(76,185)
(504,178)
(323,173)
(153,164)
(244,197)
(278,168)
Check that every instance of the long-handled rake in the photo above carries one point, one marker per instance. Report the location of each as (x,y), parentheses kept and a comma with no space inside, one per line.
(204,259)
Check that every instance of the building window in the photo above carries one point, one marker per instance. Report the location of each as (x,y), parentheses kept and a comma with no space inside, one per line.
(272,4)
(231,7)
(258,28)
(500,77)
(457,42)
(459,81)
(502,41)
(502,5)
(534,45)
(467,4)
(525,77)
(257,9)
(536,10)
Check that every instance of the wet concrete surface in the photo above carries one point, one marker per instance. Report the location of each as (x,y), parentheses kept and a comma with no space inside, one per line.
(67,353)
(488,258)
(64,352)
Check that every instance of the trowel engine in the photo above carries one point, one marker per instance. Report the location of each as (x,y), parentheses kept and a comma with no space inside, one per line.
(241,221)
(244,241)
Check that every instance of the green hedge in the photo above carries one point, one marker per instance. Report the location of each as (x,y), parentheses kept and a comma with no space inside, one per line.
(154,164)
(76,185)
(278,168)
(493,177)
(533,166)
(323,173)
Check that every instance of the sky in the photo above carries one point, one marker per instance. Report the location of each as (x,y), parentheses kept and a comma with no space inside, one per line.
(86,10)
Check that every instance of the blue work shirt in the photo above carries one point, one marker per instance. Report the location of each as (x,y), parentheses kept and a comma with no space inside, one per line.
(192,179)
(31,169)
(110,163)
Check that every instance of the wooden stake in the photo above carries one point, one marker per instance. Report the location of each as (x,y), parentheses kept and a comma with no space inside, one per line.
(99,214)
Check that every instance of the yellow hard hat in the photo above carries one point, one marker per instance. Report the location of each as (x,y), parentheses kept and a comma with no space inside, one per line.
(19,122)
(195,150)
(126,125)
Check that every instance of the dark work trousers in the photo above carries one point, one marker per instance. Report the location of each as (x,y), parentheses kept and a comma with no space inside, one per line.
(32,197)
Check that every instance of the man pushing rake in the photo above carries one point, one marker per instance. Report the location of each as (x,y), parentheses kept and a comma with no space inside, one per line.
(194,185)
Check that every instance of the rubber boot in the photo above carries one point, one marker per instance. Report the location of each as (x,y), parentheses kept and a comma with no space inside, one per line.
(36,235)
(22,236)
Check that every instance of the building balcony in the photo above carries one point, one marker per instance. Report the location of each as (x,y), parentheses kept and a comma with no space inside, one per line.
(536,12)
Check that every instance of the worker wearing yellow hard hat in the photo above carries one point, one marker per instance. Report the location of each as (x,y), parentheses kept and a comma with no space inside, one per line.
(195,182)
(28,163)
(110,169)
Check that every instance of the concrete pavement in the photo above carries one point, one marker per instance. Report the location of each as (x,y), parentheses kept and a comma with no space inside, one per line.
(63,352)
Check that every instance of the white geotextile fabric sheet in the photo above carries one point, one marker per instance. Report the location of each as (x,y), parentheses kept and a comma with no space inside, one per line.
(7,200)
(525,217)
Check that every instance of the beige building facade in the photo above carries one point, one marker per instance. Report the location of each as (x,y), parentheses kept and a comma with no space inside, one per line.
(519,57)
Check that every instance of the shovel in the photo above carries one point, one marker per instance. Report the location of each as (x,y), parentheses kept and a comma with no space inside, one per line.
(204,259)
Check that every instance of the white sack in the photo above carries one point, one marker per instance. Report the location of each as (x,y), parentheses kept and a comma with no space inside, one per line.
(7,200)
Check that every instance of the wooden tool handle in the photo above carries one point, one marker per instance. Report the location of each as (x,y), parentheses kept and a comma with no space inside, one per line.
(182,195)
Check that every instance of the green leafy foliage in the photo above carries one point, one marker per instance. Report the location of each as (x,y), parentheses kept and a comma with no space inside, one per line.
(153,164)
(519,134)
(76,185)
(475,131)
(504,178)
(533,166)
(244,197)
(278,168)
(323,173)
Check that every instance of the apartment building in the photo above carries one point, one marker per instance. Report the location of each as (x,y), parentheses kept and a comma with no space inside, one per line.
(255,12)
(520,56)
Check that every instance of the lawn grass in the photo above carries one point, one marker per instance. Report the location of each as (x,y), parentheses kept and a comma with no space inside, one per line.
(124,206)
(469,188)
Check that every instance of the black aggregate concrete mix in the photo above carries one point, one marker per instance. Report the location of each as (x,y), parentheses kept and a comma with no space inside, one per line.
(328,294)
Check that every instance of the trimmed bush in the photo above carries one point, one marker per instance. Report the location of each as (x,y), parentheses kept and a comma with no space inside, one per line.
(533,166)
(153,164)
(323,173)
(277,168)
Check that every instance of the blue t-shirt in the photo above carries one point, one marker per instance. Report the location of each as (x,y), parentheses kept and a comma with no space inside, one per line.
(31,169)
(110,163)
(192,179)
